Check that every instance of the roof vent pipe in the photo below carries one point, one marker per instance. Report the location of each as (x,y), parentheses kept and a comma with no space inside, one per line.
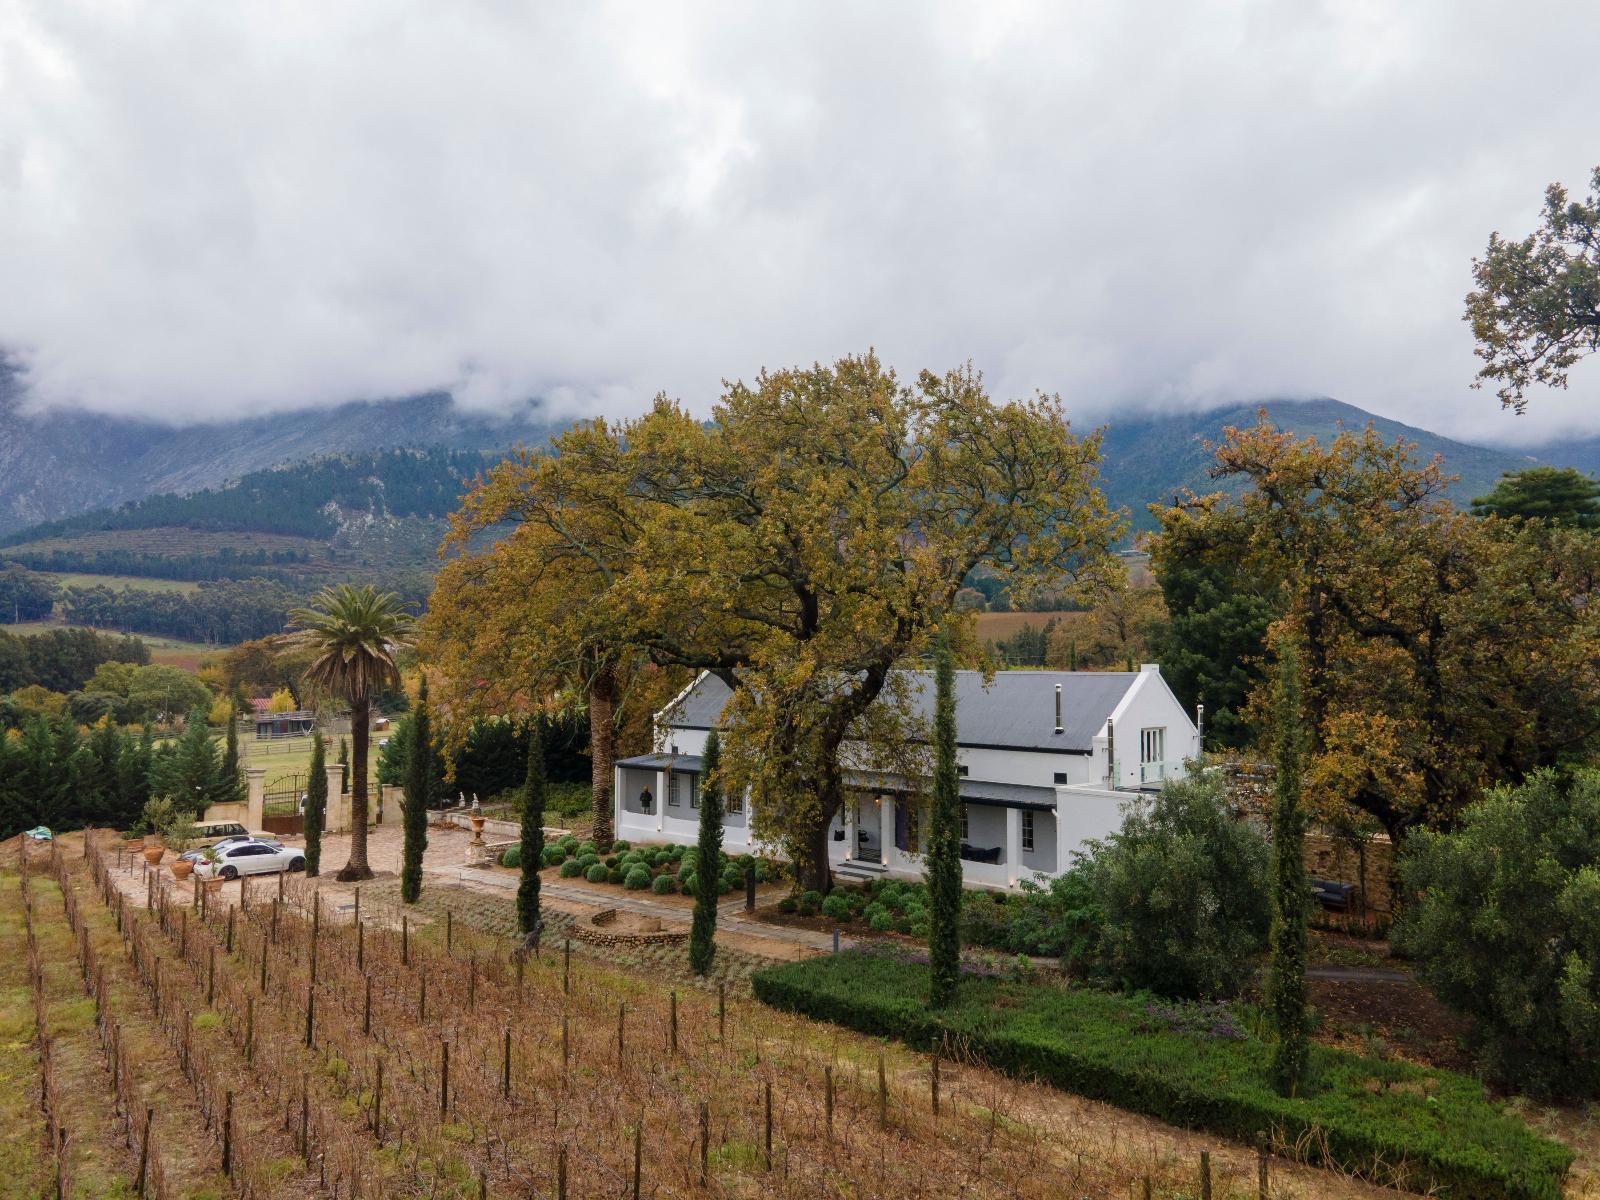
(1058,708)
(1200,725)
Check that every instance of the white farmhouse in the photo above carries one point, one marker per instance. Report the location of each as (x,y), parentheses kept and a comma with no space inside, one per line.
(1047,760)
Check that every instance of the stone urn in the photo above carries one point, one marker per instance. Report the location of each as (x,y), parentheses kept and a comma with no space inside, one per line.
(181,869)
(476,817)
(154,854)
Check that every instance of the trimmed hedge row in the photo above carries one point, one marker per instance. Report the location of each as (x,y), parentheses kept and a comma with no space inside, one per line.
(1393,1123)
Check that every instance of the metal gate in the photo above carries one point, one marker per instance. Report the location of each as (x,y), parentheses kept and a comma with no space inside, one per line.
(280,809)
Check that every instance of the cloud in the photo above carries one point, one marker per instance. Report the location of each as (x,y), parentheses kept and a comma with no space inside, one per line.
(207,209)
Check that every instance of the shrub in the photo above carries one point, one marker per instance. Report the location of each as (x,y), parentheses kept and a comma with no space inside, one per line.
(836,907)
(1397,1124)
(568,844)
(687,882)
(723,887)
(1506,928)
(881,921)
(512,857)
(615,874)
(588,860)
(1184,889)
(788,905)
(586,848)
(810,903)
(611,861)
(570,869)
(637,880)
(620,845)
(663,885)
(596,872)
(552,855)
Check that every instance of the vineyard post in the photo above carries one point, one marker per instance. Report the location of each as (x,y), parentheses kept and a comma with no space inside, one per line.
(449,932)
(444,1079)
(505,1067)
(357,917)
(522,960)
(361,946)
(827,1097)
(1148,1191)
(276,905)
(622,1009)
(211,975)
(566,965)
(144,1148)
(933,1082)
(1261,1166)
(561,1174)
(1205,1175)
(316,923)
(263,964)
(249,1031)
(149,890)
(422,998)
(638,1145)
(566,1043)
(768,1090)
(366,1011)
(674,1022)
(311,1009)
(883,1095)
(244,893)
(230,931)
(227,1135)
(705,1139)
(405,941)
(377,1106)
(722,1012)
(280,887)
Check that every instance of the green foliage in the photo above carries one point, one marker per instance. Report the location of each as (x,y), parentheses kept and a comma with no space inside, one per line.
(1388,1121)
(513,858)
(637,879)
(189,770)
(944,835)
(571,870)
(316,807)
(810,903)
(64,660)
(595,873)
(1291,893)
(1559,495)
(531,847)
(1506,927)
(588,860)
(1184,889)
(24,596)
(419,774)
(836,906)
(1062,919)
(688,882)
(663,885)
(708,850)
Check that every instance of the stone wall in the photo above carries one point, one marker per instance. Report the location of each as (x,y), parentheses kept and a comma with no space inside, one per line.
(595,932)
(1367,867)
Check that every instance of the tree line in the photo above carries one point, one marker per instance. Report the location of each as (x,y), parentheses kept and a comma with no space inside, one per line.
(62,660)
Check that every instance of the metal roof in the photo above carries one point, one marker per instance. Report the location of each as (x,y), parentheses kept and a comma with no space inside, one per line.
(1016,711)
(689,764)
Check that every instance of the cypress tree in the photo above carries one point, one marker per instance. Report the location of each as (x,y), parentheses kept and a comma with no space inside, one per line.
(532,830)
(943,869)
(231,776)
(703,932)
(344,761)
(419,775)
(316,806)
(1291,896)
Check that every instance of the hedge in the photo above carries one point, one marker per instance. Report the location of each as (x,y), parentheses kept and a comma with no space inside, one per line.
(1390,1122)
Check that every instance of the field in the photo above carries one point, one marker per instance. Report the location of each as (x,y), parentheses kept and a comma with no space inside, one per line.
(171,542)
(164,651)
(118,582)
(317,1049)
(292,756)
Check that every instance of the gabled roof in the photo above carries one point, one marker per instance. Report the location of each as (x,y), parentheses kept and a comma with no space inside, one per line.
(1015,712)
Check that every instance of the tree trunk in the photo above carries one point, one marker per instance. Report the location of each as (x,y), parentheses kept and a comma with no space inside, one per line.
(813,869)
(357,868)
(603,749)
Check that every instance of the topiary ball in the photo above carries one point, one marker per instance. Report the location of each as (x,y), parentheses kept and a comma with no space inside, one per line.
(588,860)
(836,907)
(596,873)
(614,874)
(723,887)
(618,846)
(788,905)
(587,848)
(612,860)
(570,869)
(663,885)
(512,857)
(810,903)
(883,922)
(552,855)
(637,880)
(568,843)
(686,882)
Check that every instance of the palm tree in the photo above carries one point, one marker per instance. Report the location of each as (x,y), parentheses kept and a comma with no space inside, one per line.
(355,633)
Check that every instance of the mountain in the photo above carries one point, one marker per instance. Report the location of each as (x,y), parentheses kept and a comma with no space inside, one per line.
(1152,457)
(63,463)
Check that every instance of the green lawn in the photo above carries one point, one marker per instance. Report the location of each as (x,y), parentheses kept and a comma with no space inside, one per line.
(117,582)
(293,756)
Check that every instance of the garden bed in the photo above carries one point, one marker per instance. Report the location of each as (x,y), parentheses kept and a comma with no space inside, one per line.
(1391,1122)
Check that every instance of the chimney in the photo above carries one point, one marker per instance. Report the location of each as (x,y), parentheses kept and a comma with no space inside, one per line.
(1111,752)
(1200,725)
(1058,708)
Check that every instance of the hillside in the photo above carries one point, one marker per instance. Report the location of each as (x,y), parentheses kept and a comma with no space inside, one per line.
(62,464)
(1151,458)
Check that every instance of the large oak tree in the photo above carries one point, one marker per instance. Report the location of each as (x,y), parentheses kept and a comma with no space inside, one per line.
(802,543)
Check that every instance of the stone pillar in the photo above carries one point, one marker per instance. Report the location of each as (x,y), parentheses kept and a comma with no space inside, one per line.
(255,797)
(618,802)
(851,813)
(1064,843)
(337,817)
(661,801)
(1013,846)
(886,846)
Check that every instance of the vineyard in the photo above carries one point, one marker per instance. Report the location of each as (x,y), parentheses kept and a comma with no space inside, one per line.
(273,1046)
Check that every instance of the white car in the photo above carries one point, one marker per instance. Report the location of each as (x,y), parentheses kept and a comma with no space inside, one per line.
(251,858)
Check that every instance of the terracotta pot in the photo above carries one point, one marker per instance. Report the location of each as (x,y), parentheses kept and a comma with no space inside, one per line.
(181,868)
(154,854)
(214,883)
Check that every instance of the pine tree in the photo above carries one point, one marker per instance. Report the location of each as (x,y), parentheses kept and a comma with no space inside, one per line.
(419,774)
(232,775)
(703,932)
(532,831)
(316,806)
(944,837)
(1291,896)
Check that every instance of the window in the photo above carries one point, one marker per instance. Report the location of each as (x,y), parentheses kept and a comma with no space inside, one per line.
(1152,754)
(672,790)
(1061,776)
(733,804)
(1027,829)
(966,827)
(692,785)
(683,788)
(961,771)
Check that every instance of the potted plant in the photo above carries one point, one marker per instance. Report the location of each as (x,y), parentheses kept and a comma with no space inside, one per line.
(211,858)
(157,816)
(179,835)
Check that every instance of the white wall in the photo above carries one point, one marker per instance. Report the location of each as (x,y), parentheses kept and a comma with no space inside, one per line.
(1148,704)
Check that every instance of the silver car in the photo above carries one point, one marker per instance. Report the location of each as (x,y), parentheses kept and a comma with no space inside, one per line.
(250,858)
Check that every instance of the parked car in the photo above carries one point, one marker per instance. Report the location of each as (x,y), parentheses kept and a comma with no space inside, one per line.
(250,858)
(211,833)
(199,852)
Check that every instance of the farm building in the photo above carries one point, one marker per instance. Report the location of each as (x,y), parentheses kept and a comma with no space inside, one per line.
(1047,761)
(271,725)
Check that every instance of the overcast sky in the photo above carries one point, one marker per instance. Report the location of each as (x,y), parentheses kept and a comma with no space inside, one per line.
(206,208)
